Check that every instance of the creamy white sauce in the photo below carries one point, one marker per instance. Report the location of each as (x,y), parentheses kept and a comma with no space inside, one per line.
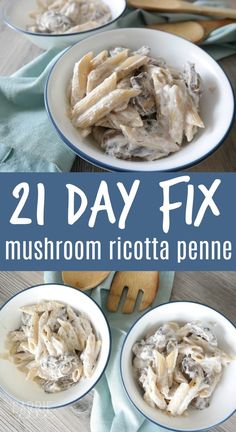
(179,366)
(69,16)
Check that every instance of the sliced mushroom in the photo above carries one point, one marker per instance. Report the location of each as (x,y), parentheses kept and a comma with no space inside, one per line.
(199,329)
(144,103)
(141,137)
(114,120)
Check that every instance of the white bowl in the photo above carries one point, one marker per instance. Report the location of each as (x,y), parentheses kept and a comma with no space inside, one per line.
(16,16)
(217,103)
(13,382)
(223,403)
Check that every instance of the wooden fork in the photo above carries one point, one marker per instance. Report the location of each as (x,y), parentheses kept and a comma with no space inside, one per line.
(146,282)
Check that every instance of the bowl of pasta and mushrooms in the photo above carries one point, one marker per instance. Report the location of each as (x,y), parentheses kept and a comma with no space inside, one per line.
(178,363)
(139,100)
(54,346)
(60,23)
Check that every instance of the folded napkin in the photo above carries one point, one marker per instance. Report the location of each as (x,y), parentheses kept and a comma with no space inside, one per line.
(28,141)
(112,411)
(221,43)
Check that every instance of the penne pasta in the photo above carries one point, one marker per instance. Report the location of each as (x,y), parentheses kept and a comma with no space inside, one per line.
(32,374)
(108,85)
(82,27)
(35,329)
(127,117)
(130,64)
(66,16)
(179,396)
(77,373)
(152,123)
(117,58)
(103,71)
(175,372)
(99,59)
(97,76)
(89,355)
(80,77)
(55,4)
(56,348)
(32,346)
(41,307)
(103,107)
(171,361)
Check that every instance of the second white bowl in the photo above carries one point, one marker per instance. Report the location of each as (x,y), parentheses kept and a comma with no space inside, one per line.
(13,382)
(223,403)
(16,16)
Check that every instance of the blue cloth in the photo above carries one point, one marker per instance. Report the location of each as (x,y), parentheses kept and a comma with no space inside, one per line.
(112,411)
(28,142)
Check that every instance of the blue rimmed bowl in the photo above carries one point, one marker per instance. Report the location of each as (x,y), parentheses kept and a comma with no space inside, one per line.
(13,382)
(16,16)
(223,402)
(217,102)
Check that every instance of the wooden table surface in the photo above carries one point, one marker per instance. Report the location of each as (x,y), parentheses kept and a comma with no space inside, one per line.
(215,289)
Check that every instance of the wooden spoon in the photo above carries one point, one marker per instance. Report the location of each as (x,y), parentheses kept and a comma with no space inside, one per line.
(194,31)
(179,6)
(146,282)
(84,280)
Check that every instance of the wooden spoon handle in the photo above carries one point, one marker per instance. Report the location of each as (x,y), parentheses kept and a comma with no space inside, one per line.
(176,6)
(194,31)
(211,11)
(211,25)
(189,30)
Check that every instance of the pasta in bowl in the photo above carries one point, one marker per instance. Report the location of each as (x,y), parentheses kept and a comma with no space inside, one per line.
(61,23)
(216,104)
(69,16)
(136,106)
(55,344)
(176,362)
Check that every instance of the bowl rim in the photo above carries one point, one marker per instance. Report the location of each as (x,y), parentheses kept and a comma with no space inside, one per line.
(50,35)
(121,368)
(109,167)
(29,405)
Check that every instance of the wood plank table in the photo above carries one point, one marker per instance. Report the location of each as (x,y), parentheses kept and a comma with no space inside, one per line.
(215,289)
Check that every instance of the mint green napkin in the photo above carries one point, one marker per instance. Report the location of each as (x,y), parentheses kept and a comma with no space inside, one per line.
(220,44)
(28,141)
(112,411)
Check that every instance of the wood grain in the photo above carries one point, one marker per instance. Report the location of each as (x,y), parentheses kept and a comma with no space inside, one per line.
(194,31)
(180,6)
(84,280)
(133,282)
(214,289)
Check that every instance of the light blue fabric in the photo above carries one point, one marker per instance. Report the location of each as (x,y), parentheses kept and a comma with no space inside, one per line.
(220,43)
(28,141)
(112,411)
